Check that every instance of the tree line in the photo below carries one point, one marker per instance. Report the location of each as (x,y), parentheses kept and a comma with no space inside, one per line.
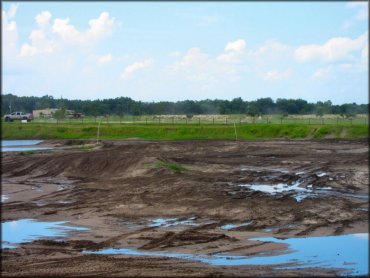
(127,106)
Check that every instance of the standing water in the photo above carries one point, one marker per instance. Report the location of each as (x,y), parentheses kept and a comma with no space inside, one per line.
(347,252)
(25,230)
(20,145)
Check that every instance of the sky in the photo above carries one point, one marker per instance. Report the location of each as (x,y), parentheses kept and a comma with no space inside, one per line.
(171,51)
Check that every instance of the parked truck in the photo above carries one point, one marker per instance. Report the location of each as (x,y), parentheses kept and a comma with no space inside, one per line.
(18,116)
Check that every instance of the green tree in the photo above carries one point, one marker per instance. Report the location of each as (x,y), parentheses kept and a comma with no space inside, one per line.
(60,114)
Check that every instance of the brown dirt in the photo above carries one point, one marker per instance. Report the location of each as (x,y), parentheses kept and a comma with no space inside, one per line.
(117,188)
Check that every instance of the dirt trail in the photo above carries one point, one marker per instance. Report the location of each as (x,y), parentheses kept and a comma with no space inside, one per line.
(118,188)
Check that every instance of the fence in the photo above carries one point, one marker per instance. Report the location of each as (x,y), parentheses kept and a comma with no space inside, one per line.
(218,120)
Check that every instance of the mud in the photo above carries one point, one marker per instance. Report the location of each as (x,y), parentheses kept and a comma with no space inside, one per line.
(118,191)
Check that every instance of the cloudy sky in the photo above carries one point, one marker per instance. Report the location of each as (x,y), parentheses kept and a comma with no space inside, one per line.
(186,50)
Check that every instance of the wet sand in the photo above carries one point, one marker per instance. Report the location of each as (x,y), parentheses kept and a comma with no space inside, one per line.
(117,189)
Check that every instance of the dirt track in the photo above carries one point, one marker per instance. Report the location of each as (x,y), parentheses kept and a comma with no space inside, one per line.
(116,189)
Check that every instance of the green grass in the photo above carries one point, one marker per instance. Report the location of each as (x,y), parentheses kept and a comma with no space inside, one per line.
(34,130)
(217,119)
(27,152)
(172,166)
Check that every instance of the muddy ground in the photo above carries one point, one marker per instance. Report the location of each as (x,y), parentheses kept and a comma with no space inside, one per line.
(118,187)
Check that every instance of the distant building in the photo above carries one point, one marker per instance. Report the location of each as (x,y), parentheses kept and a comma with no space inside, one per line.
(44,113)
(73,114)
(49,113)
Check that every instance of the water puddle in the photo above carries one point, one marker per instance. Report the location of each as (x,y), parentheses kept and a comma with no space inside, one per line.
(21,145)
(4,198)
(348,252)
(300,193)
(233,226)
(26,230)
(168,222)
(13,143)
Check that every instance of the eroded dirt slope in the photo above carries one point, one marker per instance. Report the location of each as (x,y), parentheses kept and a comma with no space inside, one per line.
(117,189)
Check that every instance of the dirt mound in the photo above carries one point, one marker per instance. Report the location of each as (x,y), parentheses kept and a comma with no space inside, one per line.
(118,190)
(107,162)
(172,239)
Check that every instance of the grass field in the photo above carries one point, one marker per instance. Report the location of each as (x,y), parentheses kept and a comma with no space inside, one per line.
(216,119)
(89,130)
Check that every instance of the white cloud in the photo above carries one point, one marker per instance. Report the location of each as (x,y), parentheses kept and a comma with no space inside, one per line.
(233,52)
(362,13)
(105,59)
(333,49)
(278,75)
(198,66)
(193,57)
(66,31)
(43,18)
(365,52)
(9,31)
(195,66)
(271,46)
(131,69)
(174,53)
(47,39)
(12,11)
(321,73)
(364,236)
(238,45)
(101,27)
(355,4)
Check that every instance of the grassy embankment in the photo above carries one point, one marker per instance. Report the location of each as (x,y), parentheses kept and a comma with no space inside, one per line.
(17,130)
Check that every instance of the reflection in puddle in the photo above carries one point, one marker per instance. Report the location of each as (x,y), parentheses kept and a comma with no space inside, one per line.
(4,198)
(19,149)
(26,230)
(301,192)
(167,222)
(13,143)
(21,145)
(233,226)
(348,252)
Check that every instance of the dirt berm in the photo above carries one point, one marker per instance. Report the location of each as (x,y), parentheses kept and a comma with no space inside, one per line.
(121,188)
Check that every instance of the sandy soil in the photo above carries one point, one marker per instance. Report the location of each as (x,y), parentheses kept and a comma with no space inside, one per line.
(117,188)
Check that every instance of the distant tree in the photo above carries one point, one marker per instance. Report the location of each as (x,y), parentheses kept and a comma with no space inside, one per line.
(60,114)
(320,112)
(252,110)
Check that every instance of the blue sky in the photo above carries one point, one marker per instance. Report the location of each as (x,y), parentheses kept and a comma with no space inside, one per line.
(186,50)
